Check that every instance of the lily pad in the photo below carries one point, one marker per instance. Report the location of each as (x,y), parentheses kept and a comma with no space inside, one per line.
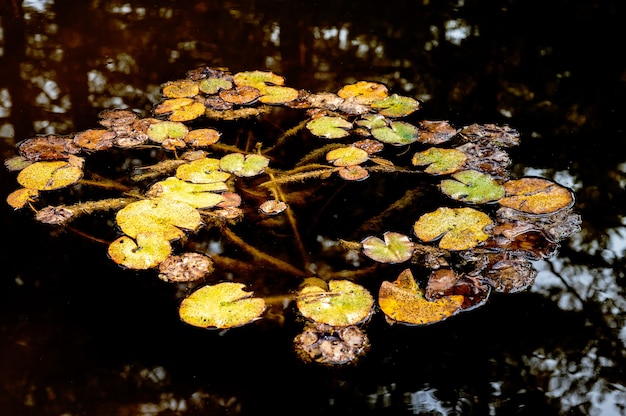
(398,133)
(536,196)
(147,252)
(435,132)
(458,228)
(198,195)
(403,301)
(343,303)
(95,139)
(353,173)
(395,106)
(240,95)
(224,305)
(180,89)
(159,132)
(329,127)
(258,79)
(394,248)
(214,85)
(244,166)
(180,109)
(364,92)
(202,137)
(372,121)
(205,170)
(19,198)
(472,186)
(165,217)
(347,156)
(275,94)
(439,161)
(49,175)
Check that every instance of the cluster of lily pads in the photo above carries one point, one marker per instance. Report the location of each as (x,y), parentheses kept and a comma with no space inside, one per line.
(482,239)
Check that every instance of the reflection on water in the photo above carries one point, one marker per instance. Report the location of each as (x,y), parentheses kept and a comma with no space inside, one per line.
(62,62)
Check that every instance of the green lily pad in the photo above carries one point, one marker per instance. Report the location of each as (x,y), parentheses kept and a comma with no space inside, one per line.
(403,301)
(214,85)
(329,127)
(275,94)
(198,195)
(258,79)
(347,156)
(163,130)
(224,305)
(472,186)
(244,166)
(394,248)
(458,228)
(343,303)
(205,170)
(161,216)
(396,106)
(398,133)
(439,161)
(372,121)
(148,251)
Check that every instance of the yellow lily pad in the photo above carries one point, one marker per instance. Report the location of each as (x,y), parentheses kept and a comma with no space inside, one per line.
(244,166)
(19,198)
(395,106)
(202,137)
(330,127)
(205,170)
(364,92)
(214,85)
(342,303)
(536,196)
(347,156)
(198,195)
(403,301)
(165,217)
(224,305)
(458,228)
(258,79)
(180,109)
(439,161)
(49,175)
(275,94)
(147,252)
(180,89)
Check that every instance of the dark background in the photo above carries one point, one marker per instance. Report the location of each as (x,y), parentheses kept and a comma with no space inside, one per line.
(80,336)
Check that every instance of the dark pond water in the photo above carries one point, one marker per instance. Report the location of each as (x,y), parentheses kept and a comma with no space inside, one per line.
(78,336)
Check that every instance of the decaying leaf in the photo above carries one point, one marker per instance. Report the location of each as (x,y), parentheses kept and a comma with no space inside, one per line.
(329,127)
(272,207)
(353,173)
(403,301)
(224,305)
(202,137)
(472,186)
(95,139)
(49,175)
(188,267)
(48,147)
(435,132)
(458,228)
(344,303)
(393,248)
(327,345)
(439,161)
(240,95)
(146,252)
(19,198)
(536,196)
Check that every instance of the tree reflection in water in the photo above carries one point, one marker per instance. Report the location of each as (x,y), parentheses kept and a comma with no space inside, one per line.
(558,349)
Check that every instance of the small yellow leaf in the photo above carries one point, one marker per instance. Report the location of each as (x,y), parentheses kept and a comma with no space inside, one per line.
(364,92)
(49,175)
(347,156)
(458,228)
(536,196)
(19,198)
(180,89)
(148,251)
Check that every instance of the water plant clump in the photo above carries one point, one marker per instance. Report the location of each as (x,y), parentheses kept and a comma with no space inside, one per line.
(350,204)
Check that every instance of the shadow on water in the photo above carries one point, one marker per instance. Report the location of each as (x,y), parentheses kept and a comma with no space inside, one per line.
(80,336)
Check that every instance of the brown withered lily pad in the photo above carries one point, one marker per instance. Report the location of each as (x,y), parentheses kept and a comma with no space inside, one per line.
(327,345)
(435,132)
(95,139)
(188,267)
(48,147)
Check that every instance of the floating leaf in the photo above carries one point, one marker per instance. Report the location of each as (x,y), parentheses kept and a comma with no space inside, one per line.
(472,186)
(180,109)
(439,161)
(205,170)
(372,121)
(19,198)
(403,301)
(95,139)
(224,305)
(536,196)
(364,92)
(369,145)
(49,175)
(188,267)
(325,344)
(272,207)
(159,132)
(148,251)
(202,137)
(48,147)
(394,248)
(398,133)
(278,95)
(395,106)
(347,156)
(458,228)
(161,216)
(180,89)
(330,127)
(257,79)
(244,166)
(198,195)
(343,303)
(240,95)
(214,85)
(353,173)
(435,132)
